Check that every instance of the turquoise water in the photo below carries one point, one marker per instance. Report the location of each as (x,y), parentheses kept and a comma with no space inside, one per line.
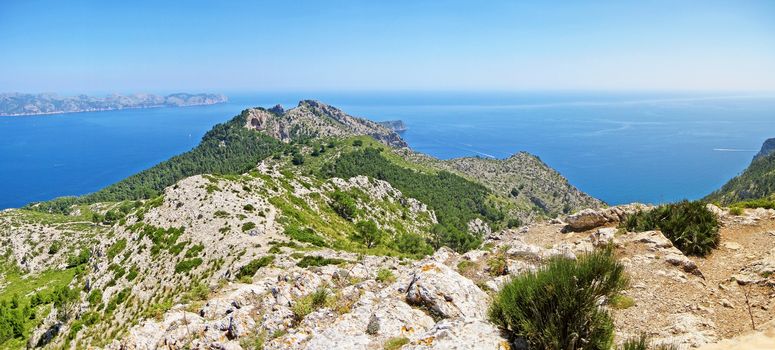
(618,147)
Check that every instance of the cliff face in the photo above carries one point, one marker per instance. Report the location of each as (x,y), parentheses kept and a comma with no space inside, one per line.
(30,104)
(312,119)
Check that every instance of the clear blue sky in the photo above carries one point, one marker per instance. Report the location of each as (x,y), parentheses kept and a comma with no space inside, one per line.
(126,46)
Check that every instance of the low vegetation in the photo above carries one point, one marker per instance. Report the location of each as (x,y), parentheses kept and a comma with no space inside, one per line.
(455,200)
(252,267)
(691,227)
(557,306)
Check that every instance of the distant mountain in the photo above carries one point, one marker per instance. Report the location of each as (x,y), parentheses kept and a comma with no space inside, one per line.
(756,182)
(16,104)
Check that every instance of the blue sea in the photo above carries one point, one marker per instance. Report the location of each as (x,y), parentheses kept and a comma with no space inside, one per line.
(619,147)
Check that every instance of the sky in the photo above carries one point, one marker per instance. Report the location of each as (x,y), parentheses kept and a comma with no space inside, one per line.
(156,46)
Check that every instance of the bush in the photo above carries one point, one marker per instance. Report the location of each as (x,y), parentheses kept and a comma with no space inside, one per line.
(691,227)
(736,211)
(556,307)
(116,248)
(344,205)
(368,233)
(411,243)
(316,260)
(80,259)
(55,247)
(385,275)
(306,235)
(248,226)
(187,265)
(309,303)
(252,267)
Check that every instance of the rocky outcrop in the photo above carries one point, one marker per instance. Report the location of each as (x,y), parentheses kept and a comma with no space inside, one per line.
(588,219)
(316,119)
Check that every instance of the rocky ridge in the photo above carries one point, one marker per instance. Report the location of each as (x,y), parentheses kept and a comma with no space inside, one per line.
(315,119)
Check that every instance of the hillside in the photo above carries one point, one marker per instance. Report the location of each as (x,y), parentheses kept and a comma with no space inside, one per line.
(300,228)
(13,104)
(755,182)
(524,179)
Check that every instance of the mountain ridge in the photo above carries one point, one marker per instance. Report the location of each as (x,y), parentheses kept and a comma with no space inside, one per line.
(20,104)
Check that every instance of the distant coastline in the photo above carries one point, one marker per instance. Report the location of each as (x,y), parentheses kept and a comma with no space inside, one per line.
(18,104)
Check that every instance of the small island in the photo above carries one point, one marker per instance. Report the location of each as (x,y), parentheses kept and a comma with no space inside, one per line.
(21,104)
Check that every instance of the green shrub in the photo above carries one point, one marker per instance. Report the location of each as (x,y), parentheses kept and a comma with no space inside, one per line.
(757,203)
(249,207)
(316,260)
(411,243)
(368,233)
(252,267)
(55,247)
(556,307)
(736,211)
(344,205)
(195,250)
(309,303)
(116,248)
(496,264)
(395,343)
(621,302)
(385,275)
(306,235)
(187,265)
(248,226)
(691,227)
(81,258)
(357,143)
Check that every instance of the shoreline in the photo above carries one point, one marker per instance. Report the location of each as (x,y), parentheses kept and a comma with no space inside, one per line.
(106,109)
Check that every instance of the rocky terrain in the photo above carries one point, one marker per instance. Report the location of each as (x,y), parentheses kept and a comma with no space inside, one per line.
(14,104)
(316,119)
(288,255)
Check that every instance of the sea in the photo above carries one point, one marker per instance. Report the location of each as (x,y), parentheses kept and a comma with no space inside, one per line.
(621,147)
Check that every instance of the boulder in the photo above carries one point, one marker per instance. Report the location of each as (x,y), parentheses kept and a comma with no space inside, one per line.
(445,293)
(586,219)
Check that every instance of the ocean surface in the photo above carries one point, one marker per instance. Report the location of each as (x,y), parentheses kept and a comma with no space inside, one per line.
(619,147)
